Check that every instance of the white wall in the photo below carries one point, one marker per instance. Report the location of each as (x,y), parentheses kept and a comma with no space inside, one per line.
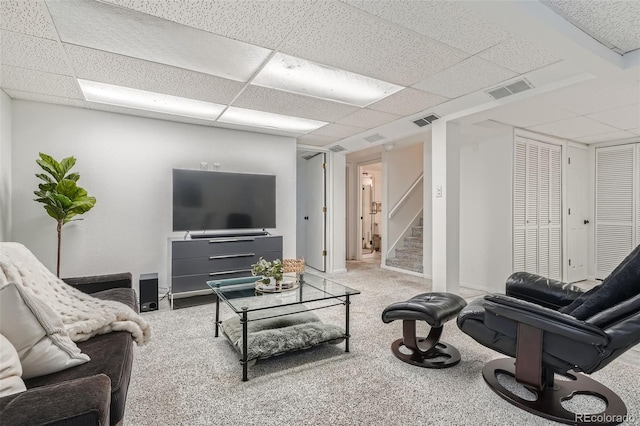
(5,167)
(126,162)
(486,175)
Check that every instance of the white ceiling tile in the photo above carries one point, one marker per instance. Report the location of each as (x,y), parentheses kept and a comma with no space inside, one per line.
(367,118)
(337,131)
(615,22)
(448,22)
(263,23)
(606,137)
(35,53)
(465,77)
(40,82)
(529,113)
(572,128)
(636,131)
(408,101)
(126,32)
(96,65)
(622,118)
(595,97)
(340,36)
(316,140)
(37,97)
(147,114)
(519,55)
(280,102)
(27,17)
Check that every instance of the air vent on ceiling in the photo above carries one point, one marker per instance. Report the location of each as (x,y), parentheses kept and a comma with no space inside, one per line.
(374,138)
(337,148)
(510,89)
(425,121)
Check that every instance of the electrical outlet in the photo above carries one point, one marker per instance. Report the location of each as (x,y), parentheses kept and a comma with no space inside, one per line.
(439,191)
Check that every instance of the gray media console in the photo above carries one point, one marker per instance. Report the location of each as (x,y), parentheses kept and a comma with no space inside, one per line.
(194,262)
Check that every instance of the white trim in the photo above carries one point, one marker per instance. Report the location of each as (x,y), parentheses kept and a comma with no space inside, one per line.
(406,195)
(404,234)
(403,271)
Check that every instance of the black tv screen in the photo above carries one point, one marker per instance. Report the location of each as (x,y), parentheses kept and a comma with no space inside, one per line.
(204,200)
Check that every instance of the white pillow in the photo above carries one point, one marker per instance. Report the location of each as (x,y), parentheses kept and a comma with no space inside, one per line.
(37,333)
(10,369)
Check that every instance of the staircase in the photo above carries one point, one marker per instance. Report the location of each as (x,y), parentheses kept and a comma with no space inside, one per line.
(409,257)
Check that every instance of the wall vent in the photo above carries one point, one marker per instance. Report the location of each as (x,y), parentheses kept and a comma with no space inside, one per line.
(374,138)
(425,121)
(510,89)
(337,148)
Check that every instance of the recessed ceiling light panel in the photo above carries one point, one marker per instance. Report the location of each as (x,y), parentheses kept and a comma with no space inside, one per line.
(149,101)
(291,74)
(269,120)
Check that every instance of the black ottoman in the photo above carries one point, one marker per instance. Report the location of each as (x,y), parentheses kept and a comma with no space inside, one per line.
(435,309)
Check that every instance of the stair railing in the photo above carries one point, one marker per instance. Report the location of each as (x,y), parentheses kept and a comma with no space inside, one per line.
(405,196)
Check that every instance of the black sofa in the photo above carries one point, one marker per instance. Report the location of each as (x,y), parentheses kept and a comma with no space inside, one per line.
(93,393)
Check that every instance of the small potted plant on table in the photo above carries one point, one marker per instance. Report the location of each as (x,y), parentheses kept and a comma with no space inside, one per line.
(271,272)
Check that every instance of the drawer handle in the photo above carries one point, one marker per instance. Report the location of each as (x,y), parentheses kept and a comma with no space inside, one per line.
(230,240)
(231,256)
(213,274)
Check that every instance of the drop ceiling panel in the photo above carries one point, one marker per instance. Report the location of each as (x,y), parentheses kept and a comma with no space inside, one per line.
(337,131)
(624,118)
(35,53)
(531,113)
(280,102)
(367,118)
(408,101)
(636,131)
(36,97)
(96,65)
(595,97)
(448,22)
(113,29)
(572,128)
(40,82)
(466,77)
(263,23)
(147,114)
(340,36)
(316,140)
(606,137)
(519,55)
(615,22)
(27,17)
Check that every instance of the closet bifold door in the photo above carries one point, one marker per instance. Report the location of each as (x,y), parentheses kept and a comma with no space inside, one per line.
(537,208)
(617,176)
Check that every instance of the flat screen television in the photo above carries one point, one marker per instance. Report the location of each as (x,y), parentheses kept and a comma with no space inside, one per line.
(204,200)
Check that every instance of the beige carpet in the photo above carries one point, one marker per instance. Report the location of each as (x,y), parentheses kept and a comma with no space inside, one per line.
(188,377)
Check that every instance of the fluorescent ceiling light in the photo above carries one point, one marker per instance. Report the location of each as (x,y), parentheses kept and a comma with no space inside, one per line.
(149,101)
(297,75)
(249,117)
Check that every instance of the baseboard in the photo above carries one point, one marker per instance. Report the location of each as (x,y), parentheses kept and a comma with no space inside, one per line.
(402,271)
(478,287)
(339,271)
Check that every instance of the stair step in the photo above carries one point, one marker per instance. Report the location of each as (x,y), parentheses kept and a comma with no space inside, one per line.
(402,264)
(416,231)
(409,253)
(415,242)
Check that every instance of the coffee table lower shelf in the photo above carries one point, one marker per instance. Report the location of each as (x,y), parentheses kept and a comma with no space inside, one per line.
(278,331)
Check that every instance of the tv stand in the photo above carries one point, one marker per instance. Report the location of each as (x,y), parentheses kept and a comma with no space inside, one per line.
(193,262)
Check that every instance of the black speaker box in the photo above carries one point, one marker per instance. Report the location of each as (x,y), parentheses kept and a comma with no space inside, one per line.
(148,292)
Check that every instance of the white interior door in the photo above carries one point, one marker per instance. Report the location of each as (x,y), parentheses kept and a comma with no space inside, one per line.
(316,212)
(614,206)
(578,217)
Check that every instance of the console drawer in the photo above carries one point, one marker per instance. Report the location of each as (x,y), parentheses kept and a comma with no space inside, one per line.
(224,246)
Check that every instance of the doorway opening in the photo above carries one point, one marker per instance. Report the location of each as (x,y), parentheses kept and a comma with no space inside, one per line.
(370,208)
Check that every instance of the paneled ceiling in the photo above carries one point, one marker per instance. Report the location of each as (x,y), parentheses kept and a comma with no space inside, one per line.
(441,57)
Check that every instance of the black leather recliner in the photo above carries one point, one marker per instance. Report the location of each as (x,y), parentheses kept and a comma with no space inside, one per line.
(551,327)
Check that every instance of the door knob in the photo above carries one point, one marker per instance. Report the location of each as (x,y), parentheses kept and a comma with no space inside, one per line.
(586,221)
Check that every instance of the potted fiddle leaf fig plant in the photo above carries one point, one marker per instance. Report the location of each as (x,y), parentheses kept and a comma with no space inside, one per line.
(63,199)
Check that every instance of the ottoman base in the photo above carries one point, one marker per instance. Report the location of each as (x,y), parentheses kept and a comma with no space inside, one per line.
(427,352)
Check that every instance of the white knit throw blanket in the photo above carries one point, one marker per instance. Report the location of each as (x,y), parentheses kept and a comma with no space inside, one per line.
(83,315)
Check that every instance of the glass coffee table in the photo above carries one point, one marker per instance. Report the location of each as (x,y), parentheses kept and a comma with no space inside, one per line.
(281,316)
